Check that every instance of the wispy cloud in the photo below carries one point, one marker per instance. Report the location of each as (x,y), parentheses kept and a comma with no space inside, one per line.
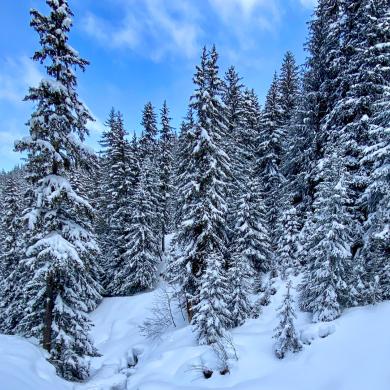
(155,28)
(308,3)
(16,75)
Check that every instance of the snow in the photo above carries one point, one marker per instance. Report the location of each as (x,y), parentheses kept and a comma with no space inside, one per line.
(23,366)
(350,353)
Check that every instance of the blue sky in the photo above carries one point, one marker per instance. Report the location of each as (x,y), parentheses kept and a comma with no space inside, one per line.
(143,50)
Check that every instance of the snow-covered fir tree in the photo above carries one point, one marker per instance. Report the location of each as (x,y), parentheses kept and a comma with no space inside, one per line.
(327,285)
(11,271)
(286,335)
(270,154)
(211,313)
(288,87)
(139,270)
(202,233)
(118,189)
(287,249)
(166,144)
(148,140)
(376,157)
(61,247)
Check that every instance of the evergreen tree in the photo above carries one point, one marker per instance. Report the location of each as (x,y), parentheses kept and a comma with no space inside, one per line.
(211,314)
(376,157)
(286,336)
(118,193)
(148,141)
(61,248)
(11,273)
(288,230)
(288,88)
(166,162)
(139,271)
(326,287)
(270,154)
(202,235)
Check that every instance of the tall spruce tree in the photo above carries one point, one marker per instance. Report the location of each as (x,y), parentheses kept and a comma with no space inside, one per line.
(60,245)
(12,274)
(327,286)
(139,270)
(166,145)
(118,191)
(270,154)
(288,87)
(202,234)
(374,52)
(287,249)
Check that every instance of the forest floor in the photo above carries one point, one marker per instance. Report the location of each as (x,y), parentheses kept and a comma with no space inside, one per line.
(350,353)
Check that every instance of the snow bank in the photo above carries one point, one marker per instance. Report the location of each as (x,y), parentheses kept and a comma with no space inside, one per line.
(23,367)
(351,353)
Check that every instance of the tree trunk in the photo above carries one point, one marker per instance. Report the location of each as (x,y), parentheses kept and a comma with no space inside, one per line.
(163,239)
(48,318)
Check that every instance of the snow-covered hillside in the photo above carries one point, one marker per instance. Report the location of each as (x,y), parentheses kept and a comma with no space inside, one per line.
(351,353)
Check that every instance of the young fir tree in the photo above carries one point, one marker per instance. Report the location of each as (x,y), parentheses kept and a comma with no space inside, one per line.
(286,336)
(149,152)
(11,271)
(182,156)
(251,191)
(287,249)
(211,314)
(139,271)
(61,249)
(202,234)
(165,170)
(327,287)
(288,88)
(232,99)
(270,154)
(118,193)
(148,141)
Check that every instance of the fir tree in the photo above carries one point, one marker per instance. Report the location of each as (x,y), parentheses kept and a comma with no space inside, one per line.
(60,245)
(11,271)
(326,287)
(166,162)
(139,271)
(270,154)
(148,141)
(376,157)
(288,88)
(201,236)
(287,249)
(211,310)
(118,190)
(286,336)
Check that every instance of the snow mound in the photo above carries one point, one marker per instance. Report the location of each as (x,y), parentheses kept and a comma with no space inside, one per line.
(23,366)
(351,353)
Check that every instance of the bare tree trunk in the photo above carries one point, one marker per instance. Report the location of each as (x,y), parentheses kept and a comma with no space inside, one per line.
(48,319)
(163,239)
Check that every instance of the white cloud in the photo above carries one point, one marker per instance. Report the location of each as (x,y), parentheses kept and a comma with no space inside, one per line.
(154,27)
(308,3)
(247,9)
(16,75)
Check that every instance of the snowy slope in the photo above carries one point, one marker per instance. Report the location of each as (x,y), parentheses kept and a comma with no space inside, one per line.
(23,366)
(354,356)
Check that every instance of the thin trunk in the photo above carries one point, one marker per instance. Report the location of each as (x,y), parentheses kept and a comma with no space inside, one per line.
(163,239)
(48,319)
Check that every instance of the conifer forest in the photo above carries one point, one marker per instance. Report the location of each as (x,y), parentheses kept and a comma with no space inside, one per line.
(251,217)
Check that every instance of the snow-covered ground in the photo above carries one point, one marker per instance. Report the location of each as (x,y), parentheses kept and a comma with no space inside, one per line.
(351,353)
